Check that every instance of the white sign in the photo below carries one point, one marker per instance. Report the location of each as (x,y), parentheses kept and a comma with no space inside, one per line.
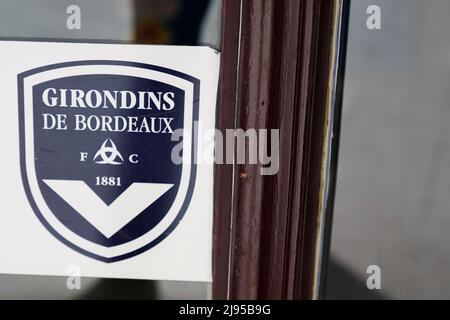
(91,140)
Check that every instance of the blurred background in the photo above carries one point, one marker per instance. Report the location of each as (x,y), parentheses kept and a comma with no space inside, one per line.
(173,22)
(392,206)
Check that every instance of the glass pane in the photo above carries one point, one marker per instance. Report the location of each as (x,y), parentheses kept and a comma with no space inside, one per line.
(392,202)
(174,22)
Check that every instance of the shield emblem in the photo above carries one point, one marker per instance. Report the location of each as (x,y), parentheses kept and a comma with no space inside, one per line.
(97,145)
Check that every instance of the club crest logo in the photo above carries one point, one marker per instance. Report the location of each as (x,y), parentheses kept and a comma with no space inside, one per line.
(96,143)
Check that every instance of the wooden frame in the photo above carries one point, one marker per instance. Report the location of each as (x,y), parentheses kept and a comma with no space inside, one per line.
(280,68)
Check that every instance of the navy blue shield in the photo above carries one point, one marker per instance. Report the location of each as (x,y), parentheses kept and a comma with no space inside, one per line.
(102,165)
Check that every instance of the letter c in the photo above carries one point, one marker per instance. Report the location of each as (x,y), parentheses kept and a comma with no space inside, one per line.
(133,158)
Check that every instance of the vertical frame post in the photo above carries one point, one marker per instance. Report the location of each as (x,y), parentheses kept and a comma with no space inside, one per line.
(279,71)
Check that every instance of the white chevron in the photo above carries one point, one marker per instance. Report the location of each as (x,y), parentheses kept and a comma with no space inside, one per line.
(108,219)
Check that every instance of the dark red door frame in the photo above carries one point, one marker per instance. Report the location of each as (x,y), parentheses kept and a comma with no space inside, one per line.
(279,71)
